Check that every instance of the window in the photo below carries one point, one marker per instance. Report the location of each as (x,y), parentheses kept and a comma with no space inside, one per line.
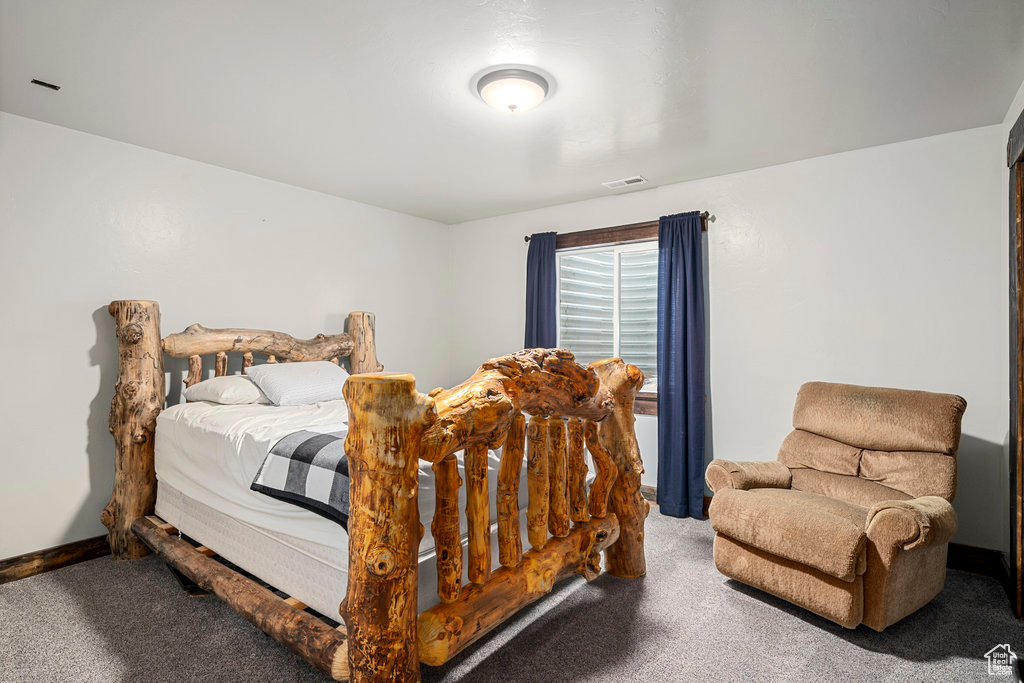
(608,305)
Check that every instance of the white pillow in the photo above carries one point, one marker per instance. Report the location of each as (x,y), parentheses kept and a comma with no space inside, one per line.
(296,384)
(228,390)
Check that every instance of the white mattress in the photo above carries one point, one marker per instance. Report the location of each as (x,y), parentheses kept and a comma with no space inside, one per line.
(206,458)
(211,453)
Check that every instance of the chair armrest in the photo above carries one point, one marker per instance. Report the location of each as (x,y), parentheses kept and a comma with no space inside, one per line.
(917,523)
(768,474)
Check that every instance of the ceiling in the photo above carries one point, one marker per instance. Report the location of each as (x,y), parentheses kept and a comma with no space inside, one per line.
(373,101)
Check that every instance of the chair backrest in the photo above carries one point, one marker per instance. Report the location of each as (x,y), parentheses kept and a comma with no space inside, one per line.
(904,440)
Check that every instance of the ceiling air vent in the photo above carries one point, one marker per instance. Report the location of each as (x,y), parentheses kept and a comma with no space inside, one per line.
(625,182)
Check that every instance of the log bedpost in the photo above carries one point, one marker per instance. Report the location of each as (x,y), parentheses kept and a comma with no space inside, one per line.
(138,399)
(558,494)
(577,473)
(537,482)
(360,328)
(478,514)
(445,527)
(510,543)
(601,488)
(387,417)
(616,434)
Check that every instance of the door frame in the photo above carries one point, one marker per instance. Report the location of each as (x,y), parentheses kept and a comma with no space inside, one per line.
(1015,162)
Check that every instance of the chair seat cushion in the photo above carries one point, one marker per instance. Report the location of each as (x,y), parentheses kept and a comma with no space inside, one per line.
(821,532)
(854,490)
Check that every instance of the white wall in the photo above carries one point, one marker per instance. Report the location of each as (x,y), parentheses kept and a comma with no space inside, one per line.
(883,266)
(84,220)
(880,266)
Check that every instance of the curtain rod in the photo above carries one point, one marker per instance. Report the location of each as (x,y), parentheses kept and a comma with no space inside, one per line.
(705,216)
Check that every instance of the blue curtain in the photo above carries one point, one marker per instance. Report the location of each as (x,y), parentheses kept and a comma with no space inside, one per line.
(680,366)
(541,281)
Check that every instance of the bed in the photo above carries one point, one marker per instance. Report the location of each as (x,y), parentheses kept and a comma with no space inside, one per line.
(391,593)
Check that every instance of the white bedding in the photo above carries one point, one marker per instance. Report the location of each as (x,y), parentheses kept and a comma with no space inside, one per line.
(211,453)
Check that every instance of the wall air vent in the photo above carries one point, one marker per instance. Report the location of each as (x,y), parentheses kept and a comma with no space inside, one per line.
(625,182)
(51,86)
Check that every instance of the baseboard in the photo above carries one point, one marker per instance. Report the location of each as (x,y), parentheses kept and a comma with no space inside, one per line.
(29,564)
(969,558)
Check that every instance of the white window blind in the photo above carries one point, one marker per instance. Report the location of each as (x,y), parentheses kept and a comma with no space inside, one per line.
(608,305)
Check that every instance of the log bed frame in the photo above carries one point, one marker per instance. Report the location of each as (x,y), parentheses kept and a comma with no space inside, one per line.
(391,427)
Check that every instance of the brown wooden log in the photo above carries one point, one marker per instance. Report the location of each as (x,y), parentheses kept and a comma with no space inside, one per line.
(445,630)
(246,361)
(478,514)
(537,381)
(445,528)
(363,357)
(304,634)
(221,366)
(577,472)
(626,557)
(195,370)
(558,491)
(271,359)
(39,561)
(537,482)
(601,487)
(510,543)
(197,340)
(386,421)
(138,399)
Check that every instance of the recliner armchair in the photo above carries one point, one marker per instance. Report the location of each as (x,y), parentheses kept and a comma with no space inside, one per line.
(853,520)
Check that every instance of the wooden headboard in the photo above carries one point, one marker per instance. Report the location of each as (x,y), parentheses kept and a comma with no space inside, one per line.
(140,391)
(197,341)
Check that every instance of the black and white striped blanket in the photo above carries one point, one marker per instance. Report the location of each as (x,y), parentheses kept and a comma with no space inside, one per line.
(308,469)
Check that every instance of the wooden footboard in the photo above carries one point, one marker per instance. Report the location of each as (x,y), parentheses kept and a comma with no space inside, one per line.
(392,426)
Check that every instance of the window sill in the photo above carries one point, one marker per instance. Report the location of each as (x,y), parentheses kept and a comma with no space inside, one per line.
(646,403)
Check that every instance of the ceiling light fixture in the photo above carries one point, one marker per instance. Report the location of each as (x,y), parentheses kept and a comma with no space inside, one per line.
(514,90)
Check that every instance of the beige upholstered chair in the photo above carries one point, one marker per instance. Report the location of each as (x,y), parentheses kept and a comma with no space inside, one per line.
(853,520)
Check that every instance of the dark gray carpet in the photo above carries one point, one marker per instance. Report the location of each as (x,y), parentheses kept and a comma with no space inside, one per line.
(107,621)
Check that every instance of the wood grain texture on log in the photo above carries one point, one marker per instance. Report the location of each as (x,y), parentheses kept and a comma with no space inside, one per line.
(601,487)
(577,465)
(537,482)
(478,514)
(40,561)
(558,486)
(386,421)
(536,381)
(363,356)
(626,557)
(445,630)
(510,542)
(138,399)
(304,634)
(246,361)
(445,528)
(221,364)
(197,340)
(195,370)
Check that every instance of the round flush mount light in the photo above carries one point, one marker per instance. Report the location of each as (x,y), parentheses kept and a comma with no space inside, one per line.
(512,90)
